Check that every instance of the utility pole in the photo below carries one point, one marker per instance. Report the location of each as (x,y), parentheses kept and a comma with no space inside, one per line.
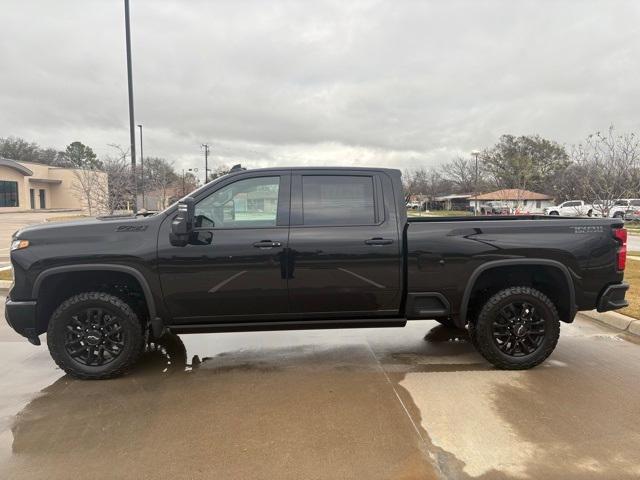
(475,153)
(132,129)
(206,162)
(141,167)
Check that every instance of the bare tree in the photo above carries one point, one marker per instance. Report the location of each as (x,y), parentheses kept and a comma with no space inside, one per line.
(117,193)
(160,180)
(86,188)
(414,181)
(607,168)
(426,182)
(461,172)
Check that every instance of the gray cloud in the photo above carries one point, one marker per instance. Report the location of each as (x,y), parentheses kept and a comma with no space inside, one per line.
(345,83)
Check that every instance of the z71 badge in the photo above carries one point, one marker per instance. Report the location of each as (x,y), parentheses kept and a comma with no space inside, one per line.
(131,228)
(588,229)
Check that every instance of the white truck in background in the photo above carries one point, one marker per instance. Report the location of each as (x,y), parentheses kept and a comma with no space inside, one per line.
(573,208)
(625,208)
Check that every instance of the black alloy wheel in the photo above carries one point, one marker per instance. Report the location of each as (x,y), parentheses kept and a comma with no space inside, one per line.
(516,329)
(95,335)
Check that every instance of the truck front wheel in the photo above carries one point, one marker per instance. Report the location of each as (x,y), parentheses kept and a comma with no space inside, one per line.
(517,328)
(95,335)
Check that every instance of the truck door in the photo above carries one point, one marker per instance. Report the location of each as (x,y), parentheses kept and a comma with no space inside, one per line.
(345,249)
(235,264)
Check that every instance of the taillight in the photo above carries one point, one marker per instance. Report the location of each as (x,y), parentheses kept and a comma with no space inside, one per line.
(621,236)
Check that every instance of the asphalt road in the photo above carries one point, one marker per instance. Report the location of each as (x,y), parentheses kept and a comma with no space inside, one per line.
(360,404)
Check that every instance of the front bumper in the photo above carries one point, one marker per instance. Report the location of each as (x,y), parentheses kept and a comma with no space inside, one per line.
(613,297)
(21,316)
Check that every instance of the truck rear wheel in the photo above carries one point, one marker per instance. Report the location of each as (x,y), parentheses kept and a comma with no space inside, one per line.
(517,328)
(95,335)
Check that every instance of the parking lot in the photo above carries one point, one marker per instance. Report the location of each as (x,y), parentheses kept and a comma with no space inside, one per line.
(392,403)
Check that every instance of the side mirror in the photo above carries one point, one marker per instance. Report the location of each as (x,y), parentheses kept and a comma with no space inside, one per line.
(182,224)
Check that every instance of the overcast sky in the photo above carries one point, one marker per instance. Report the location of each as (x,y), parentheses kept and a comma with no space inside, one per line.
(395,83)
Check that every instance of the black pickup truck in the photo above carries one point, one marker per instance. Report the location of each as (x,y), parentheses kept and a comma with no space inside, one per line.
(303,248)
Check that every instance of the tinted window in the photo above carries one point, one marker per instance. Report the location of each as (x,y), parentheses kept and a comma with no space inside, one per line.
(8,194)
(635,203)
(572,204)
(337,200)
(621,203)
(246,203)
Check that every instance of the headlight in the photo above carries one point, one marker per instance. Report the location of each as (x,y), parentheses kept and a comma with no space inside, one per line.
(19,244)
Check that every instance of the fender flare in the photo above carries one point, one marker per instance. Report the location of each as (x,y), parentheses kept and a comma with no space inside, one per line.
(466,297)
(146,290)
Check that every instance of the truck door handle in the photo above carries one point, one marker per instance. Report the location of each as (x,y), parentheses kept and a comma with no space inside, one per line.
(379,241)
(266,244)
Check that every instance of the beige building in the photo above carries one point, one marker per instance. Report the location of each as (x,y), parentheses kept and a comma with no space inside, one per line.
(36,186)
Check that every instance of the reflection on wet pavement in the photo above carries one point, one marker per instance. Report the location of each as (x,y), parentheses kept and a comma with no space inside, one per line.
(391,403)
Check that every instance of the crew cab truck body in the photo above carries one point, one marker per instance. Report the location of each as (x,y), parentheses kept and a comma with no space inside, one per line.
(302,248)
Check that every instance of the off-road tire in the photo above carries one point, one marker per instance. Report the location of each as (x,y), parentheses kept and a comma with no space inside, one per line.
(131,327)
(481,332)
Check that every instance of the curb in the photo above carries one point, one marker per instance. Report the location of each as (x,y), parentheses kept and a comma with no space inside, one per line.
(615,320)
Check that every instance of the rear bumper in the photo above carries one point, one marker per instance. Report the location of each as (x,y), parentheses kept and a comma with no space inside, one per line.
(21,316)
(613,297)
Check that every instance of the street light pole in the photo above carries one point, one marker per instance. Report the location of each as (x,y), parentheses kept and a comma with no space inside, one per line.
(141,167)
(475,153)
(206,162)
(132,130)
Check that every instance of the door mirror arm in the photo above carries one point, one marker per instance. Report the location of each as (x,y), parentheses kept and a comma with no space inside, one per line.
(182,223)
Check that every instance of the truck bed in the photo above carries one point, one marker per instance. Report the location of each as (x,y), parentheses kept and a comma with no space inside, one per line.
(446,254)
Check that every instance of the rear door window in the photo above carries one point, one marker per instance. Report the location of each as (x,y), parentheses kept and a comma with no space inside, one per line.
(338,200)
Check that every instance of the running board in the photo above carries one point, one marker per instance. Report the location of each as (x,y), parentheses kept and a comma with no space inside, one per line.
(287,325)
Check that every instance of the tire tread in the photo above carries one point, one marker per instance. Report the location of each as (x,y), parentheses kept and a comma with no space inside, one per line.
(484,342)
(61,359)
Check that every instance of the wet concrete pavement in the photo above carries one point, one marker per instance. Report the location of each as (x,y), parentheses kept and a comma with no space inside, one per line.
(361,404)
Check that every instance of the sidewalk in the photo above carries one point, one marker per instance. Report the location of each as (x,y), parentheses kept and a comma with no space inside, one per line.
(616,320)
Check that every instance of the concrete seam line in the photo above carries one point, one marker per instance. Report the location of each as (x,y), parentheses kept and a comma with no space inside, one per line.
(424,442)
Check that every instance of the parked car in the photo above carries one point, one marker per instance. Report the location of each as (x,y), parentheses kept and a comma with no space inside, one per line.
(414,206)
(572,208)
(495,208)
(305,248)
(624,208)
